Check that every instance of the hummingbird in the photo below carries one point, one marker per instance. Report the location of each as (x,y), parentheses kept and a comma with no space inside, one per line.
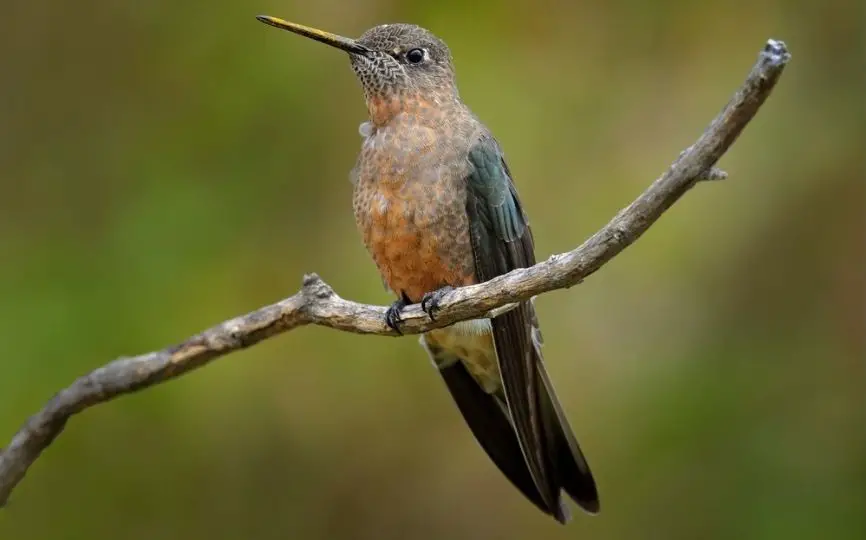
(437,207)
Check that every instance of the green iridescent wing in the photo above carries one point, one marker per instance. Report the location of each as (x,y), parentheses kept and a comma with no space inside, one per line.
(502,241)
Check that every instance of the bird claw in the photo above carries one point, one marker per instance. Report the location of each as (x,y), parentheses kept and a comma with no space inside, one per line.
(392,315)
(430,301)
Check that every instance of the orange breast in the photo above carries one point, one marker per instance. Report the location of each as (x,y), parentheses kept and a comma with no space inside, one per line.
(410,245)
(410,204)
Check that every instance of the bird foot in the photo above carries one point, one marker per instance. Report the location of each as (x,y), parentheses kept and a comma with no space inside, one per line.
(430,301)
(392,314)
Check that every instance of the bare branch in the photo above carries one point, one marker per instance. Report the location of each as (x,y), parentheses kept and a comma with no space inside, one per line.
(317,303)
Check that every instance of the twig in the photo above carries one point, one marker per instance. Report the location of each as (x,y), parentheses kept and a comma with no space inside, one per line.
(317,303)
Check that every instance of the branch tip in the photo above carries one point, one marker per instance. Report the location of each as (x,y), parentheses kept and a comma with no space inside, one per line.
(776,51)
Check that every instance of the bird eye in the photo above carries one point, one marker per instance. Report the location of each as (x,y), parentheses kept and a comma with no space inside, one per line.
(415,56)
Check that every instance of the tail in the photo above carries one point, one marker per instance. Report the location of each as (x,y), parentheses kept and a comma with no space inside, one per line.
(488,419)
(568,465)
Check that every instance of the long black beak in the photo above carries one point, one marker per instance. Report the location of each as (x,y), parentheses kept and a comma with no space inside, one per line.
(347,44)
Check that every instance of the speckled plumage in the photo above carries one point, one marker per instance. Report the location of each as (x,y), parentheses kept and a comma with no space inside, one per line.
(409,199)
(436,207)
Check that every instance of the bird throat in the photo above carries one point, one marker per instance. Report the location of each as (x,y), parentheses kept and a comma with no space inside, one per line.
(384,108)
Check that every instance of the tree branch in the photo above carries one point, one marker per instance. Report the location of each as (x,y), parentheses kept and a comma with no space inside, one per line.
(317,303)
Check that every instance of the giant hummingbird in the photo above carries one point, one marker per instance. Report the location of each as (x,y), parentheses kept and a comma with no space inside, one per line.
(437,208)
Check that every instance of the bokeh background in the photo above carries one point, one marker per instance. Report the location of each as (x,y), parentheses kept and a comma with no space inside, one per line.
(168,165)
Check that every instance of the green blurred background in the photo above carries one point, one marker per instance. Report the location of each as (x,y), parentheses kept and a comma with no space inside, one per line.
(167,165)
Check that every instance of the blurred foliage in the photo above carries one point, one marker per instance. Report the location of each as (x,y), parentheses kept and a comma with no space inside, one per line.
(166,166)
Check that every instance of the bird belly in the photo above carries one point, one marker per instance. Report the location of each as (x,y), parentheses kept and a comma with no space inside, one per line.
(472,343)
(409,260)
(415,237)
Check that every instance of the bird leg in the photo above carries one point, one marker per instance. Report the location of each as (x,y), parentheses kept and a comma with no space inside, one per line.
(392,314)
(430,301)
